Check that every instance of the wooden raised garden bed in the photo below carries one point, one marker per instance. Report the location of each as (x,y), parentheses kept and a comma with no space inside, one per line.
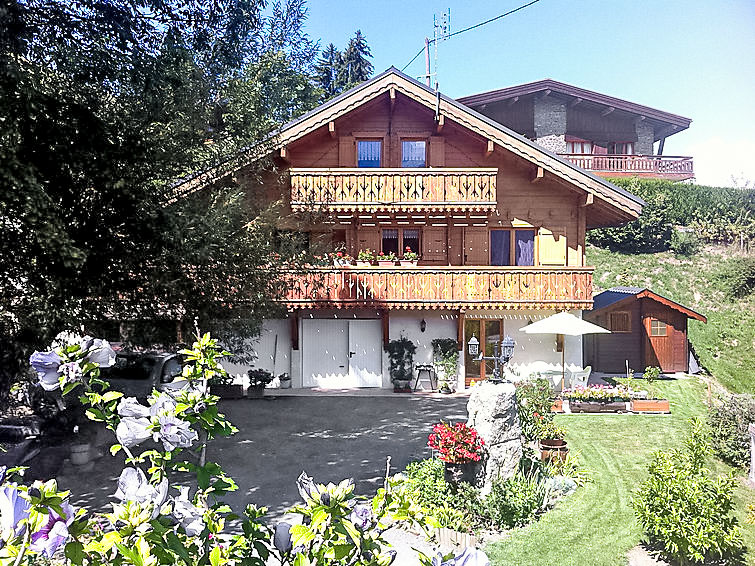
(597,406)
(450,538)
(651,406)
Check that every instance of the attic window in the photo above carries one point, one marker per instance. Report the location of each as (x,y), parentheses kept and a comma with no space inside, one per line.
(413,153)
(620,322)
(369,153)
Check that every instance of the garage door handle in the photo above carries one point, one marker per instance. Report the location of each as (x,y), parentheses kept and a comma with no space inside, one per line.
(351,354)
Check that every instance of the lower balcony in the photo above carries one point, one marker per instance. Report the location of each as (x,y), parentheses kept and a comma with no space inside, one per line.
(441,288)
(653,166)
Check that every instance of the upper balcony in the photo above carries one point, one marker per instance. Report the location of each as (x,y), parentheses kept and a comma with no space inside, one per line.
(446,287)
(416,189)
(674,168)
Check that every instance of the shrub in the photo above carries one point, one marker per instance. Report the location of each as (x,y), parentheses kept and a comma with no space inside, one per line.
(426,483)
(684,510)
(446,356)
(457,443)
(728,420)
(470,502)
(514,502)
(401,358)
(533,402)
(737,276)
(685,243)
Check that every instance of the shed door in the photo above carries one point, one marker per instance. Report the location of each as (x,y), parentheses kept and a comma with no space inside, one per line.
(666,340)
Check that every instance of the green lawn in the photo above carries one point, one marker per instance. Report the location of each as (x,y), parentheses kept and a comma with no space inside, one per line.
(596,525)
(725,344)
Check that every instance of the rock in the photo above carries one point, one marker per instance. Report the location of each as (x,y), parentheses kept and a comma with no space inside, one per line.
(492,412)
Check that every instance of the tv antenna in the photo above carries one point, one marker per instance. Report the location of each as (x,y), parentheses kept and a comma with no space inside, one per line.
(441,32)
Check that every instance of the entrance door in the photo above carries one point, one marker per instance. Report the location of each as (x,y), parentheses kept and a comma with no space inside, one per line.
(365,353)
(489,332)
(341,353)
(666,340)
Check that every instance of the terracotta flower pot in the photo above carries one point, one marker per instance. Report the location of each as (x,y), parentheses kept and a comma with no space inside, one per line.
(553,448)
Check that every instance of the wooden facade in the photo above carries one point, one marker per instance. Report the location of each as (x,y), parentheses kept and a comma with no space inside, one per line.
(646,330)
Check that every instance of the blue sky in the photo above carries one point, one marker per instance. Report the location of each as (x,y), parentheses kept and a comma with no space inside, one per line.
(694,57)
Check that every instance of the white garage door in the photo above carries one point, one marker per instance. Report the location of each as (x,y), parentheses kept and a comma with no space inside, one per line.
(341,353)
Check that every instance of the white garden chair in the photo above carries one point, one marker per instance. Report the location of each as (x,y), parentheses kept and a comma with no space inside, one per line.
(579,378)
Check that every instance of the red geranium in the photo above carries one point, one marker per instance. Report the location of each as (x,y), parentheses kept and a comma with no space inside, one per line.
(456,444)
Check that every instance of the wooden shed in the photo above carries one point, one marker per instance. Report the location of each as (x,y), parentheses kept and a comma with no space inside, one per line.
(647,329)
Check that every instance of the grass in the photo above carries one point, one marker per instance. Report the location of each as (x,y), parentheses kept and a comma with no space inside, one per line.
(726,344)
(596,525)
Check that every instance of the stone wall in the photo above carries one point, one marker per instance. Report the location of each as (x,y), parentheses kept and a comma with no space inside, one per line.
(550,124)
(644,145)
(493,413)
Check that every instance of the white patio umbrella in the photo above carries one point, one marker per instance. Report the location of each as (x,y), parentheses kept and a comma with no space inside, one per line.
(564,323)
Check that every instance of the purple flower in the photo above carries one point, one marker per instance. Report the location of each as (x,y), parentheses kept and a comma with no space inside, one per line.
(188,515)
(133,486)
(47,366)
(55,533)
(175,433)
(99,351)
(361,516)
(130,407)
(13,510)
(133,431)
(282,536)
(162,404)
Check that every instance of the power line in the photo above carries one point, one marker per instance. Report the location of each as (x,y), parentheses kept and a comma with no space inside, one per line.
(522,7)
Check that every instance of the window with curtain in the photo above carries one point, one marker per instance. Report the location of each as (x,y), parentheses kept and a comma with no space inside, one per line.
(413,153)
(411,240)
(390,241)
(369,153)
(500,247)
(512,247)
(621,148)
(525,247)
(579,147)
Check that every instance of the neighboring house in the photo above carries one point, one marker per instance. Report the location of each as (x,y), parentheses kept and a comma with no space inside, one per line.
(608,136)
(646,330)
(498,222)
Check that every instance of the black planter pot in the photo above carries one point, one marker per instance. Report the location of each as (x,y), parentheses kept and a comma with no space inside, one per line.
(235,391)
(255,392)
(463,472)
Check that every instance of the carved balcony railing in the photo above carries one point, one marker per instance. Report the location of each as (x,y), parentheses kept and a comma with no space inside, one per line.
(441,287)
(656,166)
(468,189)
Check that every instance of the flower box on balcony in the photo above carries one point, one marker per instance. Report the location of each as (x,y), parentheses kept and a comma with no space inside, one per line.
(408,263)
(386,263)
(361,263)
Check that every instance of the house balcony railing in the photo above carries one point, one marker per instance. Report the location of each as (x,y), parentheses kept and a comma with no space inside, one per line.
(435,188)
(657,166)
(441,287)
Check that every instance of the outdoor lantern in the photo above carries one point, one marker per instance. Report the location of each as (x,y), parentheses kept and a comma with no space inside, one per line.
(422,325)
(473,346)
(507,349)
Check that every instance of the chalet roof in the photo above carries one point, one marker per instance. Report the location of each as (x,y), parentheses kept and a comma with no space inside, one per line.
(674,122)
(616,295)
(625,205)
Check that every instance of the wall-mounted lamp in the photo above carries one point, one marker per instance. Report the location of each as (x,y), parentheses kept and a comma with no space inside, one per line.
(422,325)
(473,346)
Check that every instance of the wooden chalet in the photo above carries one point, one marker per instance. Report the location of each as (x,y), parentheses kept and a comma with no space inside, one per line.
(647,329)
(499,225)
(608,136)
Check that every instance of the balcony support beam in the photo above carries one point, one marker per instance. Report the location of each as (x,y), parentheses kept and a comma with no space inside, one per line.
(441,123)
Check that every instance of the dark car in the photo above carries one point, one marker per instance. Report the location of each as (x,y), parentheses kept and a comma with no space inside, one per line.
(137,374)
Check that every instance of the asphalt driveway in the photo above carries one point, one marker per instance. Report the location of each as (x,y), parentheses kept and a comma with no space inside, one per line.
(332,438)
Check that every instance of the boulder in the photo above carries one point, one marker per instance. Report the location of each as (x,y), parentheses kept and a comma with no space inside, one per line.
(493,413)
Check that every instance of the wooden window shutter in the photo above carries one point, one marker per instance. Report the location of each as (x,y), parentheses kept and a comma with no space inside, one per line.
(368,238)
(437,157)
(476,246)
(551,246)
(347,152)
(434,244)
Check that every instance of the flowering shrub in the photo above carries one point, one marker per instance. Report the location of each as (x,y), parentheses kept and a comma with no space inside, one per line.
(549,430)
(341,258)
(533,402)
(456,444)
(597,393)
(390,256)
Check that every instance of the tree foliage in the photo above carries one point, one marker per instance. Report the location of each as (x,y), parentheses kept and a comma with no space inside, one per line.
(338,71)
(104,104)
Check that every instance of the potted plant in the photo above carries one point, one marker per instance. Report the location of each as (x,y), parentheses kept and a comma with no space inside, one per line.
(552,443)
(460,448)
(221,384)
(81,446)
(409,258)
(386,260)
(258,380)
(365,257)
(285,381)
(341,259)
(446,360)
(401,359)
